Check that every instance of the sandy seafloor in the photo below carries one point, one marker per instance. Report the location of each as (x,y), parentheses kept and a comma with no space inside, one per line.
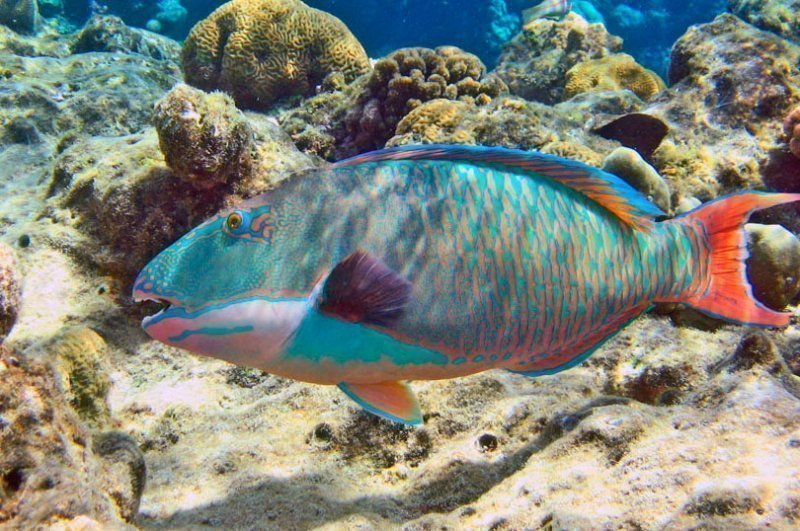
(679,422)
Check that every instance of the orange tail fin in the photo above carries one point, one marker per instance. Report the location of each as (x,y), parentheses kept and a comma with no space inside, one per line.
(728,293)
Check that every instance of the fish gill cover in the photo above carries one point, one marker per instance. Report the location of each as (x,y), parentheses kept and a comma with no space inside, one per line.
(125,126)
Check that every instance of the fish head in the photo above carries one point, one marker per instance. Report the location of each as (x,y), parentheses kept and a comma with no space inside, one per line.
(217,283)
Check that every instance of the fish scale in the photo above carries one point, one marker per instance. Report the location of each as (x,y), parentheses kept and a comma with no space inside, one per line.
(441,261)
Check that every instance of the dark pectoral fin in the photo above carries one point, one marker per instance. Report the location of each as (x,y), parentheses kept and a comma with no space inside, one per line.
(362,289)
(391,400)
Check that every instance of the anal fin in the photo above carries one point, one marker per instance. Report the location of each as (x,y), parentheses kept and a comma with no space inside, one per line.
(391,400)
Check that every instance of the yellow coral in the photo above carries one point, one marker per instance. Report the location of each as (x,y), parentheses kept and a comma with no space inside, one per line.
(437,121)
(262,50)
(613,72)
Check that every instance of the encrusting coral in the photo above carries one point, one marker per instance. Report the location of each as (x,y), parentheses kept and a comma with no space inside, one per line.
(612,72)
(262,50)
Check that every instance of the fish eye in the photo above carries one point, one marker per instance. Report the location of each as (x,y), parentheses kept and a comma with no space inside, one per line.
(234,221)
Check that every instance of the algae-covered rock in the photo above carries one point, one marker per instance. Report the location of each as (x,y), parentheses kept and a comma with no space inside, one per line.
(107,33)
(204,138)
(791,130)
(10,289)
(19,15)
(123,470)
(260,51)
(633,169)
(731,85)
(612,72)
(535,63)
(49,477)
(778,16)
(774,264)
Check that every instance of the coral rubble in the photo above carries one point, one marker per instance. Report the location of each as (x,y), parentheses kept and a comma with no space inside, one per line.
(260,51)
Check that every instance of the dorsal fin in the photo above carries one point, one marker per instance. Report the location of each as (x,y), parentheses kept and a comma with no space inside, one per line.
(608,190)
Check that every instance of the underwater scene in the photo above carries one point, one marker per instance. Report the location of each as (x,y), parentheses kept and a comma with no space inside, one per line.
(418,264)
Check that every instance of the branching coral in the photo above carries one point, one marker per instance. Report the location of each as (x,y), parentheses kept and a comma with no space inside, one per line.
(613,72)
(262,50)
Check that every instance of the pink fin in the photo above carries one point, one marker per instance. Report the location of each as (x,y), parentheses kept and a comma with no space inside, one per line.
(362,289)
(729,294)
(391,400)
(608,190)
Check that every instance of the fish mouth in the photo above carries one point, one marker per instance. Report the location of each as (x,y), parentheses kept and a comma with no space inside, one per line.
(167,306)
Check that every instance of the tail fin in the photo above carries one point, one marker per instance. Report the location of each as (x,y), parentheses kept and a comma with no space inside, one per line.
(728,293)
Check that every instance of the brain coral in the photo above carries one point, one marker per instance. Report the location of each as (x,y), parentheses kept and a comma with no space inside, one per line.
(262,50)
(612,72)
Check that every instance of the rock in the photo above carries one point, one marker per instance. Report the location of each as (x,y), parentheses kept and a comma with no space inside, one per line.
(123,470)
(261,51)
(48,475)
(730,86)
(535,63)
(205,140)
(778,16)
(613,72)
(107,33)
(45,98)
(19,15)
(10,289)
(774,264)
(633,169)
(686,204)
(756,348)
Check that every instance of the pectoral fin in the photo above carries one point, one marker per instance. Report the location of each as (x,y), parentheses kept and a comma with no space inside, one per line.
(390,400)
(363,289)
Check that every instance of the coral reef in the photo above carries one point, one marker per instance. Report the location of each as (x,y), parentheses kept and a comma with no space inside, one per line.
(778,16)
(10,289)
(774,264)
(19,15)
(366,115)
(629,166)
(612,72)
(534,64)
(261,51)
(204,138)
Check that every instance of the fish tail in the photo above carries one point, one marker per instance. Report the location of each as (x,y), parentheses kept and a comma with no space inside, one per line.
(725,291)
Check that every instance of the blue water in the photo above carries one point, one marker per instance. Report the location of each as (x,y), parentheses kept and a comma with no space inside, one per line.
(648,27)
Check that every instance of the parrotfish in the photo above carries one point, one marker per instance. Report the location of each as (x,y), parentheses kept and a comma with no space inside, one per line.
(557,9)
(424,263)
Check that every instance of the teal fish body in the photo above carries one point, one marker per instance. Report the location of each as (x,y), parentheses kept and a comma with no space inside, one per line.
(438,262)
